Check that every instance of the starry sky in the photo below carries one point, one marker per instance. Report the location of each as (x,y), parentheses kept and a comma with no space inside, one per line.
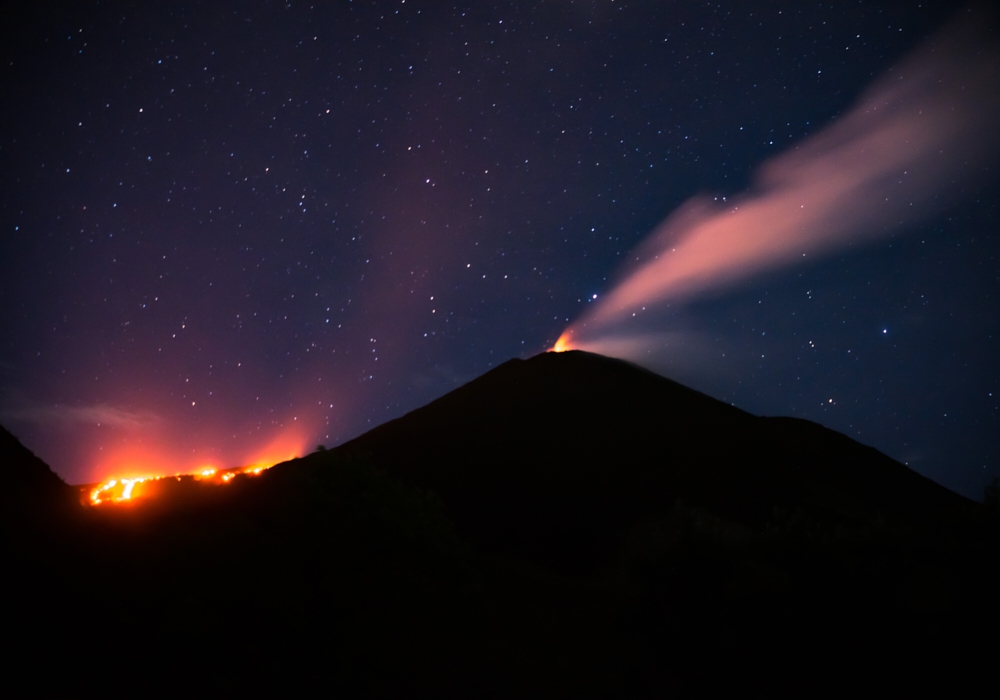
(234,232)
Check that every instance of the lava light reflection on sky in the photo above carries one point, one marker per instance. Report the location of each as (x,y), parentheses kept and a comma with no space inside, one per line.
(563,344)
(134,469)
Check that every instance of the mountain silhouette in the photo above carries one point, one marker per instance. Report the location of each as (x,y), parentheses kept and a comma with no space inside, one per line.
(29,489)
(558,455)
(568,525)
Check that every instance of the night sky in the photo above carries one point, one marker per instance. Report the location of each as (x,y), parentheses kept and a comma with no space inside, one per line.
(234,234)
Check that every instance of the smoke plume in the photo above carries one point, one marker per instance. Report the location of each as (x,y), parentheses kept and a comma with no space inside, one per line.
(918,134)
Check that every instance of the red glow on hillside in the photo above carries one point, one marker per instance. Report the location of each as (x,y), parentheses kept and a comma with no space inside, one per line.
(289,444)
(142,469)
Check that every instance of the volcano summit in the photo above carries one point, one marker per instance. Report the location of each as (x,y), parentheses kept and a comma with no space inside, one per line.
(565,525)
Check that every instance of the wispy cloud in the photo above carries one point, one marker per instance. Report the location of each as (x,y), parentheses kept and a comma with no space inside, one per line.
(100,414)
(901,152)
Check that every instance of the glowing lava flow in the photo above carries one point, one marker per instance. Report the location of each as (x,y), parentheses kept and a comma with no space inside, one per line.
(118,490)
(287,445)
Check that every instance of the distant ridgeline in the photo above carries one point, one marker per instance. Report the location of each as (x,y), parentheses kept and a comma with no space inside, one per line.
(567,525)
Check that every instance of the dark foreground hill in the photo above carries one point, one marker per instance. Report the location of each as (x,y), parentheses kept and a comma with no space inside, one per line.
(28,487)
(564,526)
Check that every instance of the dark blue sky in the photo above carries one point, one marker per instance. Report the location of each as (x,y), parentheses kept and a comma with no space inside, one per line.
(230,233)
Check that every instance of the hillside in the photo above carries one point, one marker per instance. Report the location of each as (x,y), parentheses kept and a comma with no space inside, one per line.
(30,492)
(564,526)
(557,455)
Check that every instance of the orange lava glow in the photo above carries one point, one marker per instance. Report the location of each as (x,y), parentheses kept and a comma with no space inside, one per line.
(288,445)
(562,345)
(115,490)
(119,490)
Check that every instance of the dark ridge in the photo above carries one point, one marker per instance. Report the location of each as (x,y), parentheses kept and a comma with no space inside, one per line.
(564,526)
(558,456)
(27,484)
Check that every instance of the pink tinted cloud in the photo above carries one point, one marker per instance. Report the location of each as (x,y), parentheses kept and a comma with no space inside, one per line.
(99,414)
(900,153)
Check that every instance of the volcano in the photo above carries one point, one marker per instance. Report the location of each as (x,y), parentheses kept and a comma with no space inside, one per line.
(556,457)
(565,525)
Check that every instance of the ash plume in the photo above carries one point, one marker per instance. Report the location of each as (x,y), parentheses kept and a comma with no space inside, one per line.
(902,153)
